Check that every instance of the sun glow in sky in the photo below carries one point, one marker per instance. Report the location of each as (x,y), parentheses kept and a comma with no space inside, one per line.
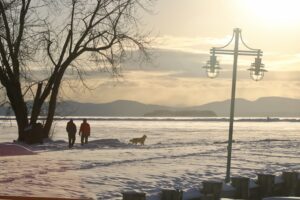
(280,13)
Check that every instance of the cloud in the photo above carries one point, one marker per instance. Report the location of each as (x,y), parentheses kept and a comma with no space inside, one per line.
(273,59)
(189,44)
(176,77)
(166,89)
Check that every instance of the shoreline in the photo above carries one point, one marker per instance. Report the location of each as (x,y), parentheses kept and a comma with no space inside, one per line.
(196,119)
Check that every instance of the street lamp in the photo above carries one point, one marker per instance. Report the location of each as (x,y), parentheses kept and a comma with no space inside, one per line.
(212,67)
(256,72)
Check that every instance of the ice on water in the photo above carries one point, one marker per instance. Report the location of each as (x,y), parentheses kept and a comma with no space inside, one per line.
(177,154)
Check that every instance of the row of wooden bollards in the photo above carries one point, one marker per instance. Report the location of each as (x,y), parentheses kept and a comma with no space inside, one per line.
(266,185)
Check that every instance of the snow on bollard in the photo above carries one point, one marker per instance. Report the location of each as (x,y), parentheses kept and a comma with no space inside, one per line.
(228,191)
(192,194)
(132,195)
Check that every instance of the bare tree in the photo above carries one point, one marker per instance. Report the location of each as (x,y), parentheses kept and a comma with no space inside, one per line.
(64,35)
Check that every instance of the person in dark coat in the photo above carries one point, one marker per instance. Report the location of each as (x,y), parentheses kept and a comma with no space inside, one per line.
(85,132)
(71,129)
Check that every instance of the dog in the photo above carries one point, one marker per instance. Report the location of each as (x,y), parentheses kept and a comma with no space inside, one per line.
(140,140)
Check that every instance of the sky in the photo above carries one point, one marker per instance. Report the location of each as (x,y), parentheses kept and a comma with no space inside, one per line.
(183,32)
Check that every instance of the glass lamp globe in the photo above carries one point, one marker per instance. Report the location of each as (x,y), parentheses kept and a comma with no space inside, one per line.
(212,67)
(257,70)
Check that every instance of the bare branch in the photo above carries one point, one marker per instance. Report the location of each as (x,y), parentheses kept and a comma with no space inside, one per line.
(24,9)
(7,70)
(72,23)
(49,52)
(6,27)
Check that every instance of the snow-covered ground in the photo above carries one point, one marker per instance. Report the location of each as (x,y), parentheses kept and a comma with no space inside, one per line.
(177,154)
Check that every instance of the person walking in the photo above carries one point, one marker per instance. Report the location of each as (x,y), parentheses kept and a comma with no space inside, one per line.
(85,131)
(71,129)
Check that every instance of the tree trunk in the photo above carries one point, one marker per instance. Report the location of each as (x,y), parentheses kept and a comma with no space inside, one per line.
(22,120)
(20,109)
(51,110)
(53,99)
(37,105)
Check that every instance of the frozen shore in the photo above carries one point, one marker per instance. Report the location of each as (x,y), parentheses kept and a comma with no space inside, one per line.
(177,154)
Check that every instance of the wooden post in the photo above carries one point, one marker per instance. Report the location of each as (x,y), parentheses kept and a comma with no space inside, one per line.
(212,190)
(134,196)
(242,187)
(171,194)
(266,183)
(298,186)
(290,183)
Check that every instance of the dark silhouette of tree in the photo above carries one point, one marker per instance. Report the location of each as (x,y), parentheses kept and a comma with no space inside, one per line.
(49,38)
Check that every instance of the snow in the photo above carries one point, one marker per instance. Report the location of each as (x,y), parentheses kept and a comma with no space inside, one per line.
(191,193)
(252,184)
(282,198)
(226,187)
(178,154)
(278,179)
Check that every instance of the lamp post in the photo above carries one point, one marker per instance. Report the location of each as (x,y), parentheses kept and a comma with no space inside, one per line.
(256,72)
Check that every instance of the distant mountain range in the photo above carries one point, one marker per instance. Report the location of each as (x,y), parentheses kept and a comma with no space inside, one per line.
(116,108)
(262,107)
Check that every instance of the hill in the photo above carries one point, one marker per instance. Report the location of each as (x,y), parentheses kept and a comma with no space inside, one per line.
(116,108)
(262,107)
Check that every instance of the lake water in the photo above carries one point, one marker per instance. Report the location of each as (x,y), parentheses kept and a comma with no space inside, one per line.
(177,154)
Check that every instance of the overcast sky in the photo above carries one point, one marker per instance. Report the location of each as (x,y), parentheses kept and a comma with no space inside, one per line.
(184,31)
